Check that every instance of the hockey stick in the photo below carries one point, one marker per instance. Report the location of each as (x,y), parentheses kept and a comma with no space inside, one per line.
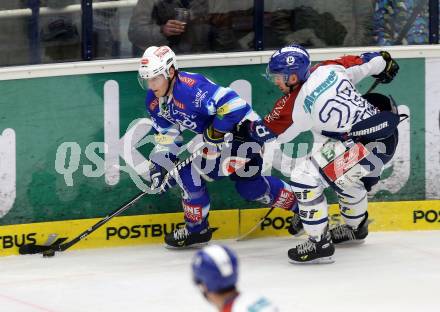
(58,246)
(242,237)
(373,86)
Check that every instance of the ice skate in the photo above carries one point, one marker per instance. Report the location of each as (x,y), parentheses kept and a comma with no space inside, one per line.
(344,234)
(183,238)
(313,252)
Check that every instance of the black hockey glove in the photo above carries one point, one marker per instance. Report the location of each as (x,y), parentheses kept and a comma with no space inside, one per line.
(254,131)
(160,164)
(390,71)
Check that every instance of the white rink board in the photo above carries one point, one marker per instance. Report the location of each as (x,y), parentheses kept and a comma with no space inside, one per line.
(393,271)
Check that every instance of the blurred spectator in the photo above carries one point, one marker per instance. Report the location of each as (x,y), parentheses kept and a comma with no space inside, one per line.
(60,33)
(226,19)
(191,26)
(106,32)
(154,22)
(14,43)
(309,28)
(401,22)
(318,23)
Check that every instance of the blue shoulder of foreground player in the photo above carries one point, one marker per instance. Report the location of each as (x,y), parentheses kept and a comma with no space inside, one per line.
(160,123)
(151,102)
(212,99)
(205,92)
(195,90)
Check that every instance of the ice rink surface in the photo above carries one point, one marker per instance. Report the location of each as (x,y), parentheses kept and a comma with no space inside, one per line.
(398,271)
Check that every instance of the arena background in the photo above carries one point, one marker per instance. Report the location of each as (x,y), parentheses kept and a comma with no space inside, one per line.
(45,156)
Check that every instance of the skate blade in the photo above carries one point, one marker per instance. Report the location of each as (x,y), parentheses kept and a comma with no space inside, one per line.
(193,246)
(351,242)
(323,260)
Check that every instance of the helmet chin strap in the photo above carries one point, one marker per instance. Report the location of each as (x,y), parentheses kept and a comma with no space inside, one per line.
(170,83)
(291,87)
(286,82)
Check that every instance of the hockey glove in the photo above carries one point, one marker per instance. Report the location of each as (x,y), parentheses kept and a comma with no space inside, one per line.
(390,71)
(160,179)
(160,163)
(215,142)
(254,131)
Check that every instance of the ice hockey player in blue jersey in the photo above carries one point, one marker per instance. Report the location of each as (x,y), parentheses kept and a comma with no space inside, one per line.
(215,272)
(178,101)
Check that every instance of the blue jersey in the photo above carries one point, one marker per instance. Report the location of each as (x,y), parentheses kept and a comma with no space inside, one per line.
(195,104)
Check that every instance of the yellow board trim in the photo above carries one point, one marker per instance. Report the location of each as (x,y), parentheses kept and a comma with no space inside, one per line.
(149,229)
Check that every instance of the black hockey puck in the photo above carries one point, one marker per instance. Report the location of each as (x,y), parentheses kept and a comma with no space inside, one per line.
(48,253)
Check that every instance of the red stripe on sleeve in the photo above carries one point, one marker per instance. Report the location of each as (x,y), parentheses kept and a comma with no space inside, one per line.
(347,61)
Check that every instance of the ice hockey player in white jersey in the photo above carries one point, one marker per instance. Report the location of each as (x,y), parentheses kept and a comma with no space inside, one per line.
(215,272)
(357,135)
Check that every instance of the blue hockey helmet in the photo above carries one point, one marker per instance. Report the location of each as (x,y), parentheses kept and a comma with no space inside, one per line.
(216,267)
(292,59)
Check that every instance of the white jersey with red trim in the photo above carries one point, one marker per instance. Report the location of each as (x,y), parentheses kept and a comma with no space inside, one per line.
(328,100)
(250,303)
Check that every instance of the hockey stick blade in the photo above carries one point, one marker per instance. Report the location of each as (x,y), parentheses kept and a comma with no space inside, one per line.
(242,237)
(32,249)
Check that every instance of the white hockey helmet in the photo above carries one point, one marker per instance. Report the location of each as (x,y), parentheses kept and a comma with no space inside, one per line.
(154,62)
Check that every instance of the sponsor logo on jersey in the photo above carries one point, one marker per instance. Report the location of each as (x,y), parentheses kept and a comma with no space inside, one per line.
(324,86)
(153,104)
(200,96)
(183,119)
(344,162)
(192,213)
(278,108)
(232,164)
(179,104)
(284,200)
(221,111)
(328,152)
(260,305)
(165,113)
(312,214)
(163,139)
(304,194)
(188,81)
(144,61)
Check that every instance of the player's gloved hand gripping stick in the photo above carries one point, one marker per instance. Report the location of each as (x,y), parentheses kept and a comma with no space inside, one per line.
(58,245)
(388,74)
